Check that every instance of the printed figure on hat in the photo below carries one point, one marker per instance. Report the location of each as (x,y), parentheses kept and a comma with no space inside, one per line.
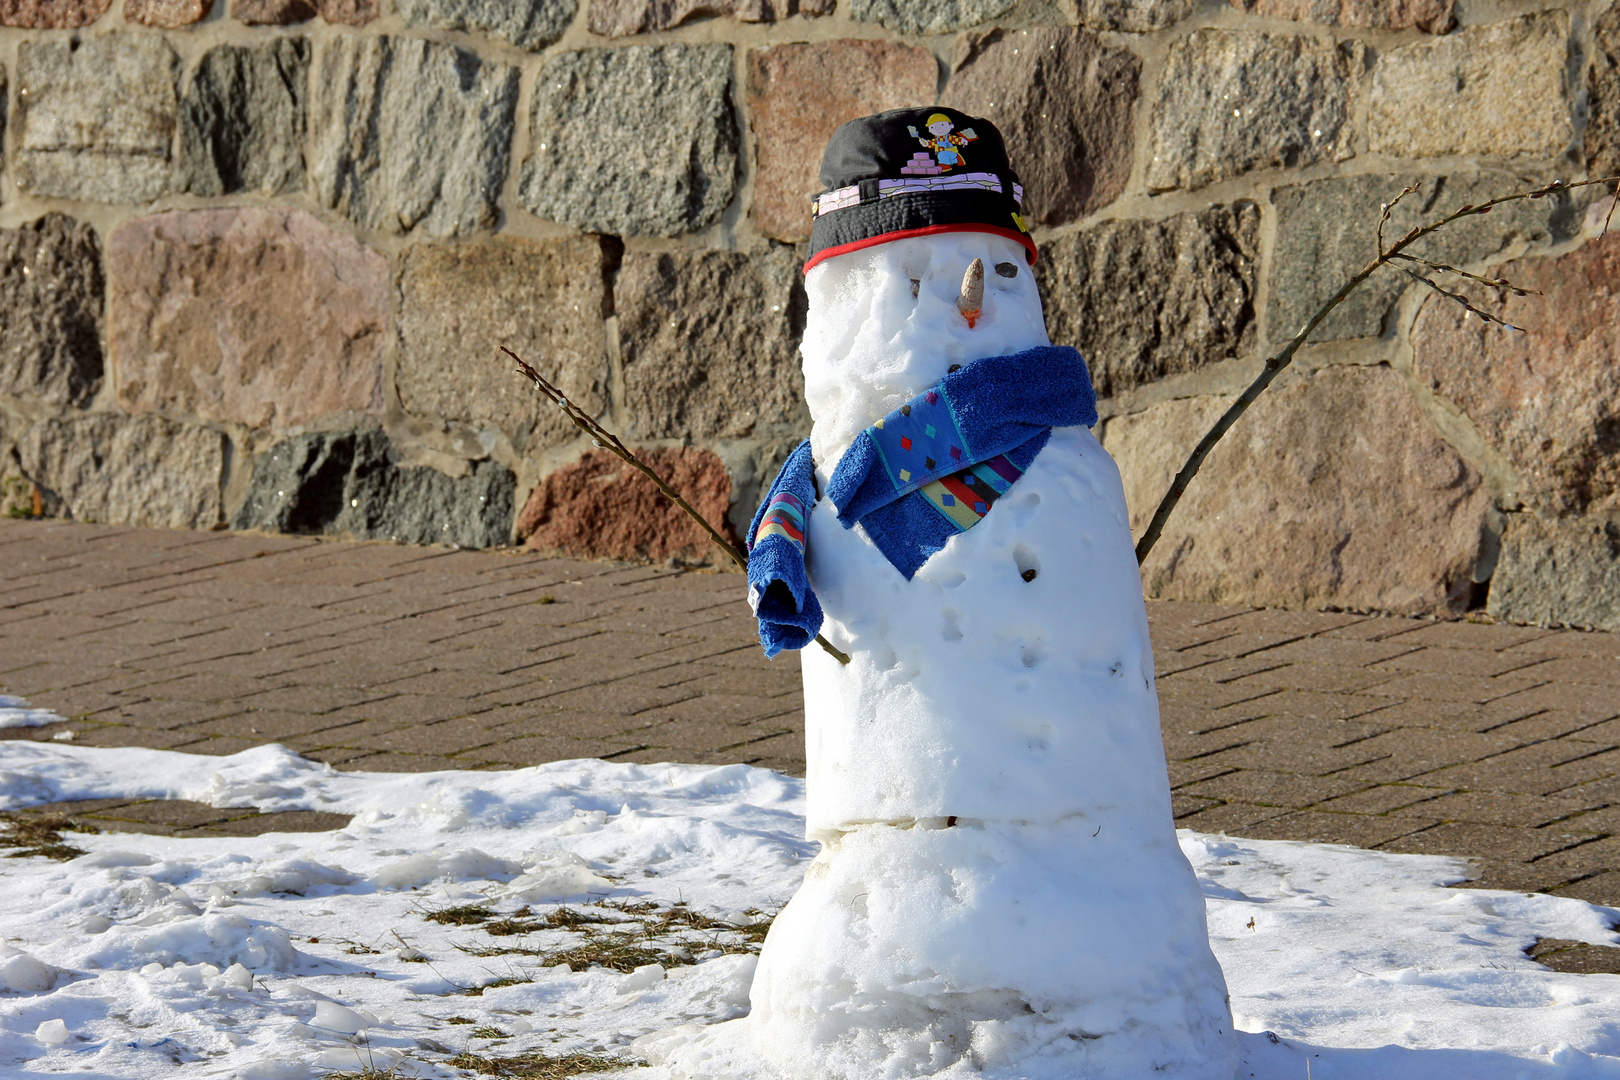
(1000,892)
(943,139)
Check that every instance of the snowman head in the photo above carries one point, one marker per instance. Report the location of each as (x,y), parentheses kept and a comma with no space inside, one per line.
(893,240)
(884,323)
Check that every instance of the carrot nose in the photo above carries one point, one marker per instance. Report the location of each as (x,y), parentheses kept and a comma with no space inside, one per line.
(970,301)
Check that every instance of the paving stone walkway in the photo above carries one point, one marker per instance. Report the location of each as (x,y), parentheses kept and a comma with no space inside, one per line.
(1496,743)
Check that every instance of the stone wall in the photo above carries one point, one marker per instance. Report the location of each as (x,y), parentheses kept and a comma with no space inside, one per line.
(256,257)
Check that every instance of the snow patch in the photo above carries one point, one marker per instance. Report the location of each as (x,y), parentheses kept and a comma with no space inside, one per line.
(186,956)
(16,713)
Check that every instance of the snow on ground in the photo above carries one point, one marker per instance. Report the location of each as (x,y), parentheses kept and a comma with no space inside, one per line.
(14,712)
(283,956)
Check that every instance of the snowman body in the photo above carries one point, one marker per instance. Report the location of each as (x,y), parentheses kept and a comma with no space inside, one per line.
(1000,891)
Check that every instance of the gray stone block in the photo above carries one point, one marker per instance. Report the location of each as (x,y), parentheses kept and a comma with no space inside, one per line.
(928,16)
(1066,105)
(616,18)
(1326,233)
(242,121)
(543,299)
(1134,16)
(285,12)
(51,297)
(1430,16)
(528,24)
(1499,89)
(96,117)
(168,14)
(710,342)
(1147,299)
(411,132)
(128,470)
(635,141)
(1565,572)
(1232,101)
(1603,97)
(1334,489)
(344,483)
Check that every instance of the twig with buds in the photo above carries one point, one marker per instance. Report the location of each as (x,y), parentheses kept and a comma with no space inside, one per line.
(604,438)
(1395,252)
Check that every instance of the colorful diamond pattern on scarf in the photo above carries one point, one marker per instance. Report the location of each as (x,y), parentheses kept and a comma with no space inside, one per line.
(921,441)
(965,497)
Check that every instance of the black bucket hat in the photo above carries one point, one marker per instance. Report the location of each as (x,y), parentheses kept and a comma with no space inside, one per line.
(914,172)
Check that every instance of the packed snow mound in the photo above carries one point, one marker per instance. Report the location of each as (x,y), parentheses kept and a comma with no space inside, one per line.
(295,877)
(22,974)
(1362,964)
(221,940)
(550,876)
(468,865)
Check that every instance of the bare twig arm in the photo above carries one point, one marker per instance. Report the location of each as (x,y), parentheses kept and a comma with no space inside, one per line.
(1274,365)
(1272,369)
(606,439)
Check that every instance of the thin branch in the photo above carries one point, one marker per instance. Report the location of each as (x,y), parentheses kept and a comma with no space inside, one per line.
(1461,299)
(604,438)
(1495,283)
(1275,364)
(1389,208)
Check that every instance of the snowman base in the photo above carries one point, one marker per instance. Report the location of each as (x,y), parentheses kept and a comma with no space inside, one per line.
(984,950)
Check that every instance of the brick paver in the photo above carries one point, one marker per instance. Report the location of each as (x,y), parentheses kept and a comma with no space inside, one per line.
(1497,743)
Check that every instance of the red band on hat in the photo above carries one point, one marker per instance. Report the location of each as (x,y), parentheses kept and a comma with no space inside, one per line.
(928,230)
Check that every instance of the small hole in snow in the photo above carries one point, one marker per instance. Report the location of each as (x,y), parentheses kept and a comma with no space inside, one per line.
(1030,655)
(1028,564)
(916,286)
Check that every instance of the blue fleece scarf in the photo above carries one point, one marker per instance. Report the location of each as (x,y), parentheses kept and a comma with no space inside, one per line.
(916,478)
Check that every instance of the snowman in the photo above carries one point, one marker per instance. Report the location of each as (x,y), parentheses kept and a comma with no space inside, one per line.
(999,890)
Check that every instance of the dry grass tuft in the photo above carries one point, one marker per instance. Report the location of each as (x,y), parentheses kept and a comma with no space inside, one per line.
(620,935)
(538,1066)
(41,834)
(619,952)
(461,915)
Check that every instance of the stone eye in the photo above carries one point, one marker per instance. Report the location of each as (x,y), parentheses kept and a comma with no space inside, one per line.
(915,285)
(1007,269)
